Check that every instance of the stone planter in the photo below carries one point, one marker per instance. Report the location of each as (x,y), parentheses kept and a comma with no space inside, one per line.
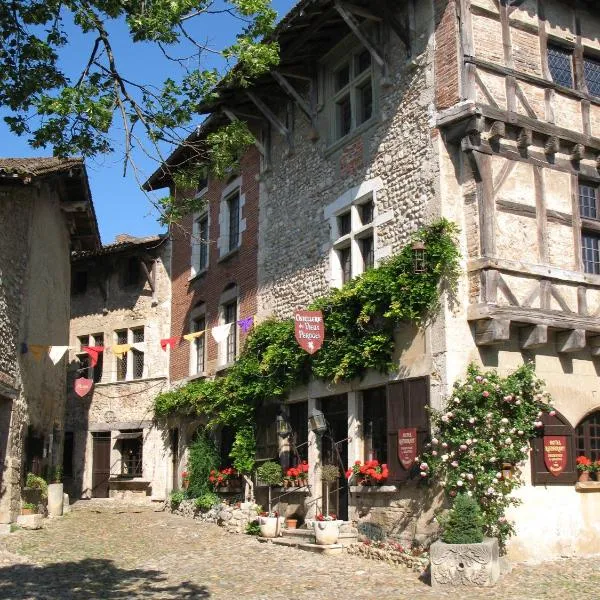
(457,565)
(55,499)
(326,532)
(268,526)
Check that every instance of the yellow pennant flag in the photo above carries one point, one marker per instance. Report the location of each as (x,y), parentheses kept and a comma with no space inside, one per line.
(190,337)
(38,350)
(120,349)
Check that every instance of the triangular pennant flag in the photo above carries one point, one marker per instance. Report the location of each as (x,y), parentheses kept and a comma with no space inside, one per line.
(93,352)
(120,349)
(57,352)
(221,332)
(190,337)
(141,346)
(83,385)
(246,324)
(38,350)
(168,342)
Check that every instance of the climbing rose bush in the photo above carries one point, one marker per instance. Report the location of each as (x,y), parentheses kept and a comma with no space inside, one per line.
(488,421)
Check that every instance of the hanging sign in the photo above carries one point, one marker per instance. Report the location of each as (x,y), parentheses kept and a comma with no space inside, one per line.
(555,453)
(83,386)
(407,446)
(310,329)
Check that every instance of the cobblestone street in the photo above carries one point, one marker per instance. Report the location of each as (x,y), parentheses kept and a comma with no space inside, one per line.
(109,551)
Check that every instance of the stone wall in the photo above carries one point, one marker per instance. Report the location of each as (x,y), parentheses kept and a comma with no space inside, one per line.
(233,518)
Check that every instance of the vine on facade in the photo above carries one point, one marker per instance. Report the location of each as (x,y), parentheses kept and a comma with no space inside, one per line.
(360,319)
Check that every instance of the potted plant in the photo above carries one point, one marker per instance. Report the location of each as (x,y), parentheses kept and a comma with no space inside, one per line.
(55,493)
(28,508)
(327,529)
(367,473)
(585,466)
(225,480)
(271,474)
(463,556)
(303,473)
(329,474)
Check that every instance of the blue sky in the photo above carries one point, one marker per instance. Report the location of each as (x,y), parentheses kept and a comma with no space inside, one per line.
(120,205)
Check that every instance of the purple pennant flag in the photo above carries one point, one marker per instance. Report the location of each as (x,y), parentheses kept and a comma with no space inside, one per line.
(246,324)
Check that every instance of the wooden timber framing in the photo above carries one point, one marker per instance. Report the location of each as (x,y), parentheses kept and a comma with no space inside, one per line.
(382,9)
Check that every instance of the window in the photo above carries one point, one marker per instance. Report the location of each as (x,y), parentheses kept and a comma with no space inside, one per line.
(199,350)
(591,74)
(353,236)
(587,436)
(67,462)
(233,224)
(374,424)
(230,316)
(588,200)
(590,237)
(590,248)
(200,242)
(131,452)
(352,93)
(267,444)
(132,271)
(121,360)
(299,424)
(202,180)
(80,282)
(560,64)
(97,370)
(85,363)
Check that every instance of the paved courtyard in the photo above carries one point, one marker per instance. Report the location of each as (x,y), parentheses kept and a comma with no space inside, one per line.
(111,551)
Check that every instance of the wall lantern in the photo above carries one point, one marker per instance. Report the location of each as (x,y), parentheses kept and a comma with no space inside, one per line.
(283,427)
(507,470)
(317,422)
(418,251)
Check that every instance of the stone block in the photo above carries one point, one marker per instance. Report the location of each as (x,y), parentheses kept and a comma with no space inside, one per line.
(4,528)
(66,504)
(30,521)
(457,565)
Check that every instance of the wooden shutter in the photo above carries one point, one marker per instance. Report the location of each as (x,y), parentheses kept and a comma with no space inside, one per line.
(407,403)
(267,445)
(540,475)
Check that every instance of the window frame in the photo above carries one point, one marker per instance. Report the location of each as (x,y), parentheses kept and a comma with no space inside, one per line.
(224,244)
(583,434)
(589,226)
(140,454)
(200,243)
(95,373)
(199,346)
(559,48)
(229,296)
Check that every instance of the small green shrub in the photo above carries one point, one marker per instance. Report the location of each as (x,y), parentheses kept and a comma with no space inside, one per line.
(330,473)
(203,457)
(38,483)
(29,506)
(253,528)
(464,524)
(176,498)
(207,501)
(270,473)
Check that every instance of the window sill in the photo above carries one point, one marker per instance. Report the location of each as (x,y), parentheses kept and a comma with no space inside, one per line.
(224,367)
(227,256)
(125,381)
(374,489)
(198,275)
(587,486)
(349,137)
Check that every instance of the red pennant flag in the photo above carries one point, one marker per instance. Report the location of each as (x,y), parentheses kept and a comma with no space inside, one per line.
(83,386)
(93,352)
(169,342)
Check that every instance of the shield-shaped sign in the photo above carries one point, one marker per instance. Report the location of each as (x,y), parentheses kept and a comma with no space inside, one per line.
(407,446)
(310,329)
(83,386)
(555,453)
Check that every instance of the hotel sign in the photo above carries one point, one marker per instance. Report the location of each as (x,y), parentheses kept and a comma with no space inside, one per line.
(555,453)
(310,329)
(407,446)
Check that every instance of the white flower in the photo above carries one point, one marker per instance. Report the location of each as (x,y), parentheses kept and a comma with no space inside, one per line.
(469,493)
(470,476)
(444,445)
(445,418)
(463,447)
(435,441)
(513,430)
(444,457)
(493,459)
(518,402)
(456,400)
(434,453)
(552,413)
(498,475)
(524,449)
(470,387)
(501,430)
(450,414)
(508,441)
(504,420)
(489,416)
(479,379)
(540,413)
(423,466)
(423,474)
(507,398)
(520,432)
(474,440)
(469,442)
(459,483)
(472,420)
(454,464)
(490,491)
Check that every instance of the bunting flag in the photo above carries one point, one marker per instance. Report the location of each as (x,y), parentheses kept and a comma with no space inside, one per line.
(56,353)
(172,341)
(246,324)
(83,385)
(93,352)
(38,350)
(190,337)
(221,332)
(120,349)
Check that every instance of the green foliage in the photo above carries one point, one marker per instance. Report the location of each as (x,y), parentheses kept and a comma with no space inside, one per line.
(464,523)
(38,483)
(202,458)
(253,528)
(176,498)
(330,473)
(206,501)
(227,145)
(359,322)
(488,422)
(29,506)
(270,473)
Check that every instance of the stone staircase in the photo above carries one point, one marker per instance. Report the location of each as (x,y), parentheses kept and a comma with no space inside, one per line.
(304,539)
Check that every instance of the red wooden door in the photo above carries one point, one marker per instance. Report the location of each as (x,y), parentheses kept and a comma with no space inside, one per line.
(101,465)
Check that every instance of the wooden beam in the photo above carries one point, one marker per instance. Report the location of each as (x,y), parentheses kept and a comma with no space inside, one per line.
(233,118)
(149,276)
(399,28)
(302,104)
(577,152)
(570,341)
(490,332)
(524,138)
(594,343)
(533,337)
(362,12)
(497,130)
(552,145)
(268,114)
(310,32)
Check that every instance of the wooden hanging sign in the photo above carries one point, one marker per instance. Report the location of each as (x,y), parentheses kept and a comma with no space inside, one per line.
(407,446)
(83,386)
(310,329)
(555,453)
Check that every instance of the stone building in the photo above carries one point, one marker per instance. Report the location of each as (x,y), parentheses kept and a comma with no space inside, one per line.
(120,306)
(384,116)
(46,212)
(213,275)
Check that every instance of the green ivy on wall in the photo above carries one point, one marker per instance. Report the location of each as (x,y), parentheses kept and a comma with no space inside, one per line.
(359,336)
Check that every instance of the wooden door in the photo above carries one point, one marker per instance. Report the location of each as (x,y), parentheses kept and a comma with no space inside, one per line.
(101,465)
(5,414)
(175,457)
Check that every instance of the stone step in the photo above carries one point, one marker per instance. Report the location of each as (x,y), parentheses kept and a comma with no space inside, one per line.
(301,545)
(308,534)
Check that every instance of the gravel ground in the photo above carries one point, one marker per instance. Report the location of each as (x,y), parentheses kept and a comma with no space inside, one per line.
(113,551)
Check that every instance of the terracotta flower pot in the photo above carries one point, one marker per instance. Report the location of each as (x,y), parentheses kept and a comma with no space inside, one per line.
(584,476)
(291,523)
(27,511)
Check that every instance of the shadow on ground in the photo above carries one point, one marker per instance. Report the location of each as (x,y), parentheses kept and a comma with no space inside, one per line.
(89,579)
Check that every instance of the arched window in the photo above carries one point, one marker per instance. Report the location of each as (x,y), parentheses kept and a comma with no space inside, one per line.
(587,436)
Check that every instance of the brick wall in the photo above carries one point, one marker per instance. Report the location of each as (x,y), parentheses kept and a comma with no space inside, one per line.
(238,268)
(446,62)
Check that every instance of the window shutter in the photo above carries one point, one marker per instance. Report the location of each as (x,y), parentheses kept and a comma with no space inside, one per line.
(540,475)
(407,403)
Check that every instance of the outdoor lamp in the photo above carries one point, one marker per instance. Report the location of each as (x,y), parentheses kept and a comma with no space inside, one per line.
(317,422)
(283,427)
(507,471)
(418,251)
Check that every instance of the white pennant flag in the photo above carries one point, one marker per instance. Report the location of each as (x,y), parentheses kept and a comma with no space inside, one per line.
(57,352)
(221,332)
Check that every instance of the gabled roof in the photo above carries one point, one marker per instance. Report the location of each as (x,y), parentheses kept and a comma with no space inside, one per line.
(124,242)
(37,167)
